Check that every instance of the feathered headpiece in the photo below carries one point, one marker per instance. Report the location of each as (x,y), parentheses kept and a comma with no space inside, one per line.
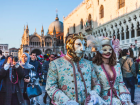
(98,42)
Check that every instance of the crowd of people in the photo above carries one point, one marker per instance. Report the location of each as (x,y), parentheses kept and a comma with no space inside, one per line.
(16,75)
(71,79)
(130,66)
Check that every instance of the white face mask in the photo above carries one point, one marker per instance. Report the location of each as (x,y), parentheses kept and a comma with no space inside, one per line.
(79,47)
(107,52)
(106,49)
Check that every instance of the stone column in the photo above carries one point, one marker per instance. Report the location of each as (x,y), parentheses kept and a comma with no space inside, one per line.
(135,33)
(130,35)
(120,38)
(124,36)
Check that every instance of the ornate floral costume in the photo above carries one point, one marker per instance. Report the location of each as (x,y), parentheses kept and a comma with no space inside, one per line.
(112,88)
(68,80)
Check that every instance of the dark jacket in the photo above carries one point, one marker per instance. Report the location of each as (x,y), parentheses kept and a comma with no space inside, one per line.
(7,86)
(26,73)
(37,66)
(45,68)
(2,61)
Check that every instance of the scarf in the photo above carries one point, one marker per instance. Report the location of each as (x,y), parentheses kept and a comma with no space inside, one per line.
(27,65)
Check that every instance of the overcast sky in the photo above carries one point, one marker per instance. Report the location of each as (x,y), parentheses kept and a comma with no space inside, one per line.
(14,14)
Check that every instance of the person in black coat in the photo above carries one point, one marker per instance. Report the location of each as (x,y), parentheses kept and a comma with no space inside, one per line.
(45,71)
(45,67)
(30,77)
(11,73)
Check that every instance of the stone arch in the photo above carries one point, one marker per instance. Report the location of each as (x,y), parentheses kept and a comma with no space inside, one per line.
(73,28)
(48,51)
(127,32)
(132,30)
(138,29)
(37,51)
(101,11)
(35,40)
(81,23)
(89,19)
(48,41)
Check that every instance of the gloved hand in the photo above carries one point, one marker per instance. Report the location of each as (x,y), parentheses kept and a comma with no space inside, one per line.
(93,100)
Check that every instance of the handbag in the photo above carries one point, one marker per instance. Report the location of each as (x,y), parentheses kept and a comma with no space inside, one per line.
(33,91)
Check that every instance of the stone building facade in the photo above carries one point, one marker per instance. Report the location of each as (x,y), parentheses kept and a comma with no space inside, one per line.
(52,42)
(13,51)
(4,49)
(106,18)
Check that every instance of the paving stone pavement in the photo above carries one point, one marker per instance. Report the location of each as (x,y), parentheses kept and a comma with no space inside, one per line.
(137,95)
(41,96)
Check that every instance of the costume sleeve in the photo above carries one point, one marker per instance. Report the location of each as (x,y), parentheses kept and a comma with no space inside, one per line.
(56,94)
(95,82)
(122,87)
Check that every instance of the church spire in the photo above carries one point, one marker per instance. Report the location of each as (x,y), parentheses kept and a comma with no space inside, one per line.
(42,31)
(42,28)
(27,26)
(56,15)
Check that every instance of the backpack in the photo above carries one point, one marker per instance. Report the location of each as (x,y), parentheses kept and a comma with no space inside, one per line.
(130,69)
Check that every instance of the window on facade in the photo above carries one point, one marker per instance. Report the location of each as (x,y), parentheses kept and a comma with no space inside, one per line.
(89,19)
(132,32)
(101,11)
(121,3)
(122,34)
(138,32)
(138,29)
(81,23)
(127,33)
(98,2)
(118,36)
(74,28)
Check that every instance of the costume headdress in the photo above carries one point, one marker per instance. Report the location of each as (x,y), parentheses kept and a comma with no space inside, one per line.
(70,45)
(98,42)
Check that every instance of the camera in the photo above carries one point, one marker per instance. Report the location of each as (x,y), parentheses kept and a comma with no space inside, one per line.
(15,59)
(26,76)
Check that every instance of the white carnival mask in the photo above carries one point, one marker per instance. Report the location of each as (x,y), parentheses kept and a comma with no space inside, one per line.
(98,42)
(79,47)
(106,49)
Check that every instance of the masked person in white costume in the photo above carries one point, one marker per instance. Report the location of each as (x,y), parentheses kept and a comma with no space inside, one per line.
(69,78)
(113,89)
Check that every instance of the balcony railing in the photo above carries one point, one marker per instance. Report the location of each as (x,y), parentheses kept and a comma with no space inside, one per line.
(88,28)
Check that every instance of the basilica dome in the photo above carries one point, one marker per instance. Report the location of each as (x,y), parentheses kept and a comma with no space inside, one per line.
(56,26)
